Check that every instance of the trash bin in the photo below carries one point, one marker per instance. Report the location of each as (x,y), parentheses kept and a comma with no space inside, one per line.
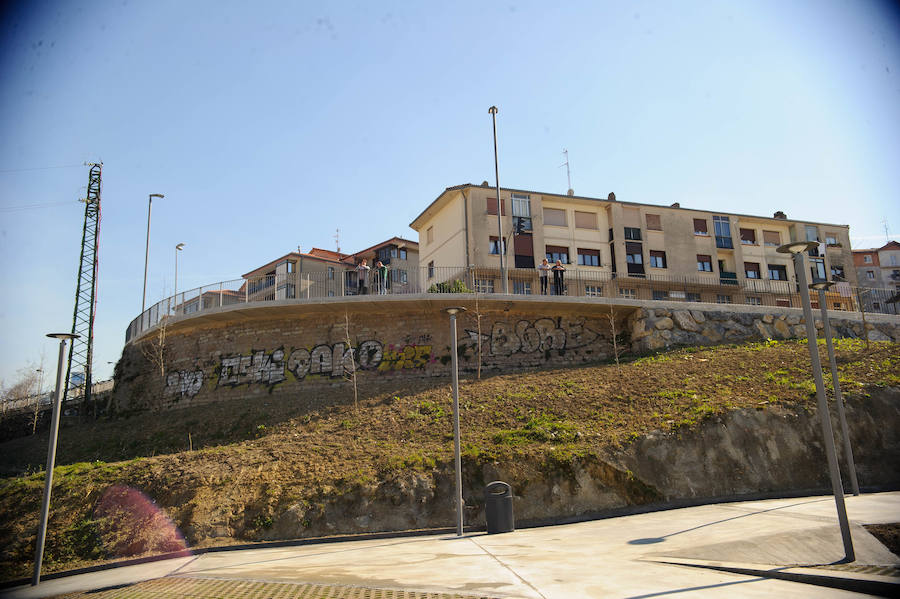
(498,507)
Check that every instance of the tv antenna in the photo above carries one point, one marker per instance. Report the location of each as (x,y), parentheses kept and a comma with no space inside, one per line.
(568,172)
(887,234)
(337,240)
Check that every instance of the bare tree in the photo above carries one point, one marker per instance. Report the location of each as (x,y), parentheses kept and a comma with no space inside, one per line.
(352,374)
(612,327)
(155,350)
(23,394)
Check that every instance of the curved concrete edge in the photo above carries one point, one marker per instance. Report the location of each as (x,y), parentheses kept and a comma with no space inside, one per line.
(857,582)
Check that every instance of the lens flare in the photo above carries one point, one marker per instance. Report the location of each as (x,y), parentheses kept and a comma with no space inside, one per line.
(130,523)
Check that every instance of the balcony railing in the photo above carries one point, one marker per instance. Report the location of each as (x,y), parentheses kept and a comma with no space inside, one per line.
(579,282)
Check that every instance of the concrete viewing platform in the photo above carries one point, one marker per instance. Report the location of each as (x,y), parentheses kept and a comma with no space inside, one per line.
(770,548)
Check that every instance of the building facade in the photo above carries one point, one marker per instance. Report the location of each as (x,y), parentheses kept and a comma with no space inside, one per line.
(878,270)
(662,252)
(326,273)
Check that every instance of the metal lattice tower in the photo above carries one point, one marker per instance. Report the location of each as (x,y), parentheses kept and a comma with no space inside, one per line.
(81,352)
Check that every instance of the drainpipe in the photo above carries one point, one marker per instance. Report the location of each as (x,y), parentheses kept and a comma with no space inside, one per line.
(466,227)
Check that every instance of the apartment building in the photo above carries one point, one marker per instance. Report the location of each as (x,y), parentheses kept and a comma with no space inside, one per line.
(666,252)
(878,267)
(326,273)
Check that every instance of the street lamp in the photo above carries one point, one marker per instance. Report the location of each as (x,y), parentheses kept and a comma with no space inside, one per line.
(51,456)
(456,451)
(147,251)
(501,250)
(796,249)
(821,286)
(178,248)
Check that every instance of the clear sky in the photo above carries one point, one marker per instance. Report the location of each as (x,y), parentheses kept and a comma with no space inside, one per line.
(268,125)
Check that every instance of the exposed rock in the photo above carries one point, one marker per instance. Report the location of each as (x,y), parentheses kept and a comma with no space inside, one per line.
(764,331)
(768,318)
(684,320)
(666,334)
(712,334)
(664,324)
(876,335)
(661,312)
(792,320)
(800,331)
(782,330)
(698,316)
(819,324)
(639,329)
(655,342)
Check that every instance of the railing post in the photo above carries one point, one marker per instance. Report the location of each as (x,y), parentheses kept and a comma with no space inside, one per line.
(307,285)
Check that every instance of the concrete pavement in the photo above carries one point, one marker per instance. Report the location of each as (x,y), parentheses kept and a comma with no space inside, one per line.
(733,549)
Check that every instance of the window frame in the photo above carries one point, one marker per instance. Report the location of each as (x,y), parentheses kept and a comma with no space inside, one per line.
(658,259)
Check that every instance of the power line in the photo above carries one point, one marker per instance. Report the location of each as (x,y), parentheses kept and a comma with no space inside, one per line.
(32,206)
(38,168)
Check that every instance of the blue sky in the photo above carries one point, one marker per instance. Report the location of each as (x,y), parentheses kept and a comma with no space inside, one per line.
(269,125)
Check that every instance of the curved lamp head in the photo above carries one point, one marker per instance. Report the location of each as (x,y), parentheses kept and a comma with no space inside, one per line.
(156,195)
(795,247)
(453,310)
(492,110)
(63,335)
(179,247)
(821,285)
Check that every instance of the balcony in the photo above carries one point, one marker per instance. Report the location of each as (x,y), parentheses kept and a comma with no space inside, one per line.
(724,242)
(727,278)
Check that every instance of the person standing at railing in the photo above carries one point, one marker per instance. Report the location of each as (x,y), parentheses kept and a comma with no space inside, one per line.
(381,277)
(558,270)
(362,271)
(544,273)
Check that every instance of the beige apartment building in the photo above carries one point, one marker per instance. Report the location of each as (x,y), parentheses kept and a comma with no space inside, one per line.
(625,249)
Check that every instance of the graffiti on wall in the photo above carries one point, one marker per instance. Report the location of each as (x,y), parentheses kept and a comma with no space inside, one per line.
(269,368)
(184,383)
(529,336)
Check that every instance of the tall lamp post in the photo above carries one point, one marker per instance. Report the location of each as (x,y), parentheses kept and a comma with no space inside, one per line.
(456,450)
(796,249)
(501,250)
(821,286)
(147,250)
(178,248)
(51,456)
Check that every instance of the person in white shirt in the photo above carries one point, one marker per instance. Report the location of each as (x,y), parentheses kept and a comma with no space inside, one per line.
(544,272)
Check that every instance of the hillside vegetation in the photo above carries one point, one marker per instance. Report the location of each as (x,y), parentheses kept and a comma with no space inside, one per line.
(252,460)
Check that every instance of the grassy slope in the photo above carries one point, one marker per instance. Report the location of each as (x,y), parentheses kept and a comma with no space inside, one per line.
(254,459)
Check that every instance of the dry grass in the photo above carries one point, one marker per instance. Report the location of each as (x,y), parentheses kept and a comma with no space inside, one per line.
(251,460)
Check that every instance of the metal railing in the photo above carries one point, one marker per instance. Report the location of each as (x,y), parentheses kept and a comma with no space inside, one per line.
(578,282)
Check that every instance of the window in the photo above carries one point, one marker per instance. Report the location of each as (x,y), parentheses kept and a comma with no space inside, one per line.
(588,257)
(393,252)
(723,299)
(593,291)
(628,293)
(492,207)
(867,259)
(657,259)
(429,235)
(692,297)
(484,285)
(704,263)
(812,234)
(772,238)
(831,239)
(585,220)
(331,293)
(701,227)
(754,300)
(634,257)
(748,237)
(557,252)
(659,295)
(330,273)
(291,267)
(521,287)
(495,246)
(870,274)
(431,269)
(653,223)
(401,253)
(555,217)
(782,302)
(398,275)
(837,272)
(751,270)
(633,233)
(893,259)
(521,205)
(777,272)
(723,232)
(817,269)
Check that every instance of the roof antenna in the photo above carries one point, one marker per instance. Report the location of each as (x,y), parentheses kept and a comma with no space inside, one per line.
(887,234)
(337,240)
(571,191)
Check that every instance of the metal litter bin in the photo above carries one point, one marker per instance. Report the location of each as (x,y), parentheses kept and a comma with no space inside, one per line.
(498,507)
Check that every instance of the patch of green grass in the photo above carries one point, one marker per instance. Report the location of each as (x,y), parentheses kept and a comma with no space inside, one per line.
(543,428)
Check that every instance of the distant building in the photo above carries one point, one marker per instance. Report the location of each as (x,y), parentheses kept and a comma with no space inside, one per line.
(326,273)
(731,256)
(879,270)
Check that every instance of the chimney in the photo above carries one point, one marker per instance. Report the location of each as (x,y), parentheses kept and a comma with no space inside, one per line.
(676,205)
(611,197)
(571,192)
(780,215)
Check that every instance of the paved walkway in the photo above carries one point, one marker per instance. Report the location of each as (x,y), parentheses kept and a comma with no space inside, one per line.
(731,549)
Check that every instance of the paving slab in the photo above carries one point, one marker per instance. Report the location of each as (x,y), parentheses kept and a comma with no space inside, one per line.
(729,549)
